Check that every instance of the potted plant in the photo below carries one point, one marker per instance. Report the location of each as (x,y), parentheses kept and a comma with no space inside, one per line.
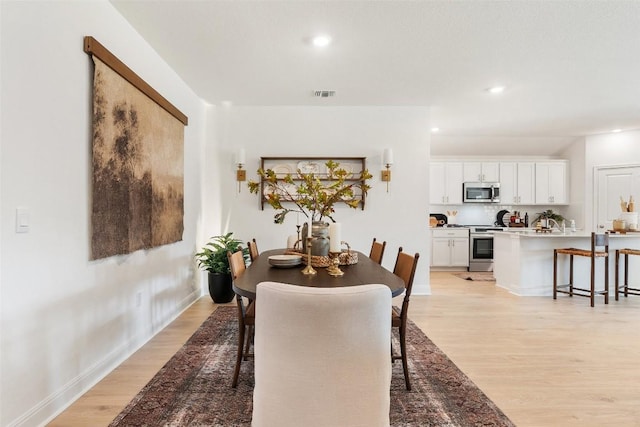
(549,214)
(213,259)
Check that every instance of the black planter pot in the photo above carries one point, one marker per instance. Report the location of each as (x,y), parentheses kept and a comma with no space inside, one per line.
(220,287)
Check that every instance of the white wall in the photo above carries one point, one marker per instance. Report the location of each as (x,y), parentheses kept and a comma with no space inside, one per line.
(577,183)
(67,321)
(400,216)
(620,149)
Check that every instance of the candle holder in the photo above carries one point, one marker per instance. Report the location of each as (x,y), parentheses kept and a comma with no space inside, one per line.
(309,270)
(334,269)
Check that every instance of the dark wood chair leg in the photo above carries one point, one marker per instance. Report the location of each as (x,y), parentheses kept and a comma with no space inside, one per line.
(248,342)
(236,372)
(555,274)
(571,275)
(606,279)
(403,351)
(616,273)
(626,275)
(592,289)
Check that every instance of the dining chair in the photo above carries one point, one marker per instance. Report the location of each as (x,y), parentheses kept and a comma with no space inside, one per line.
(405,268)
(322,356)
(253,249)
(377,251)
(246,314)
(599,249)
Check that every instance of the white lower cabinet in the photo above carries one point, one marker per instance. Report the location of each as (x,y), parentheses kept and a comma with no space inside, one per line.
(450,247)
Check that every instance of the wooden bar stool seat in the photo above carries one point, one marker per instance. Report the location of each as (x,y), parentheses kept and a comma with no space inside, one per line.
(626,289)
(597,241)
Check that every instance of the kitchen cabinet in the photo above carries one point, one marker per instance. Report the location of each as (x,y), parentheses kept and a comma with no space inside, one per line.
(517,183)
(551,183)
(445,183)
(481,172)
(450,247)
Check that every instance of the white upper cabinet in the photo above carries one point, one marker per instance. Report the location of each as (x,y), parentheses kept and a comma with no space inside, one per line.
(551,183)
(543,182)
(445,183)
(481,172)
(517,183)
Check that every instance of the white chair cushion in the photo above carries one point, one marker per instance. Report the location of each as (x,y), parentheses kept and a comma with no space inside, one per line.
(322,356)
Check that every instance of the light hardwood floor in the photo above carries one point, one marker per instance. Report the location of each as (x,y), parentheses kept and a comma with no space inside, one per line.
(543,362)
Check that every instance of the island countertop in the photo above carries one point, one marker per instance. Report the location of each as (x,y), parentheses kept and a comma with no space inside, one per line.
(531,232)
(523,259)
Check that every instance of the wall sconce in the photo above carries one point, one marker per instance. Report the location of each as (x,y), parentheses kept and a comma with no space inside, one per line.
(387,160)
(241,174)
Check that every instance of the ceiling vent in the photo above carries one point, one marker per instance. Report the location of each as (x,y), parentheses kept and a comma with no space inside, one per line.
(324,93)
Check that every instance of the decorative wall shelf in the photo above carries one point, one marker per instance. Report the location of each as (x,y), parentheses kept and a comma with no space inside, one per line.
(284,166)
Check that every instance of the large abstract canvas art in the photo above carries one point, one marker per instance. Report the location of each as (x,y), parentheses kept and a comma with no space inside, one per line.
(138,170)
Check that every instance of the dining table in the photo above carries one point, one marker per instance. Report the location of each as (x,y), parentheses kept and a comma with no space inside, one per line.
(364,272)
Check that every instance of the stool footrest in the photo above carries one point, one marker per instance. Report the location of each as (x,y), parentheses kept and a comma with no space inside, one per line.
(578,291)
(630,291)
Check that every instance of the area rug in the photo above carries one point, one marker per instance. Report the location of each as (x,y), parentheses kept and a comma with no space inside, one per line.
(479,276)
(194,387)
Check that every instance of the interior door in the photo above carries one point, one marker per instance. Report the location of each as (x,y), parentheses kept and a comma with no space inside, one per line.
(614,183)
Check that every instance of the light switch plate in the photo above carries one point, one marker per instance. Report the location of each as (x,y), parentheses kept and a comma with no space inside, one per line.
(22,220)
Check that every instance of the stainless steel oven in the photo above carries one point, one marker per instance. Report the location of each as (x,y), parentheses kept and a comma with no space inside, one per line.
(481,248)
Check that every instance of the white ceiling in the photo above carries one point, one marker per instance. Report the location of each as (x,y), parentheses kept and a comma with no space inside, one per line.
(571,68)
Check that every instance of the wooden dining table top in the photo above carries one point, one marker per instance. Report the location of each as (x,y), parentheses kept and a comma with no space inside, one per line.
(364,272)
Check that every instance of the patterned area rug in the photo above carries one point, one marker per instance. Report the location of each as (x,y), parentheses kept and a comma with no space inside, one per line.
(478,276)
(194,387)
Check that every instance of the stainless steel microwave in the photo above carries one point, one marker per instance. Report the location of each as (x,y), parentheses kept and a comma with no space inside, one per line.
(481,192)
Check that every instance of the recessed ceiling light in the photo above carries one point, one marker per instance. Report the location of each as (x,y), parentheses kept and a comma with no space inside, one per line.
(321,41)
(616,130)
(435,130)
(496,89)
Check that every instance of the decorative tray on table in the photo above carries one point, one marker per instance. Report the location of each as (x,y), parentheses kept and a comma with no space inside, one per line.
(346,257)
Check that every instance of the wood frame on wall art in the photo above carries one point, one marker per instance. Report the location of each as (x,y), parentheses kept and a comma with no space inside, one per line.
(93,47)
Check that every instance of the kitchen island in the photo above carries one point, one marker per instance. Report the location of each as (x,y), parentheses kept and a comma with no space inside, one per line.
(523,260)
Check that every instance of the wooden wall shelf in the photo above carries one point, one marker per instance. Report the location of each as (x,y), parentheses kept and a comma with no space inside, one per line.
(283,166)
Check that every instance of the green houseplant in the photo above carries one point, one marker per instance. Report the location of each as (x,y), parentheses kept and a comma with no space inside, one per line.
(213,259)
(549,214)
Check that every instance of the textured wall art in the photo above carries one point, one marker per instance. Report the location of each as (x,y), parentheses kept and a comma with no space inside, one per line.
(138,170)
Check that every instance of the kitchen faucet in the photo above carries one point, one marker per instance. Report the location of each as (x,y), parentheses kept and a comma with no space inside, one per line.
(556,226)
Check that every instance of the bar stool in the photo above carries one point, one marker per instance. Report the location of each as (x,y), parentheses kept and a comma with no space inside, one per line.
(626,290)
(597,241)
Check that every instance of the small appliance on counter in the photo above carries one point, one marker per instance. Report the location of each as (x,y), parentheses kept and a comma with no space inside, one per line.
(437,220)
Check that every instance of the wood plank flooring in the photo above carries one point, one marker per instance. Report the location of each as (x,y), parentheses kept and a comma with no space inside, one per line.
(543,362)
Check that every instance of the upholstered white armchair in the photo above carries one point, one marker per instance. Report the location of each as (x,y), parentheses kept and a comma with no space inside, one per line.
(322,356)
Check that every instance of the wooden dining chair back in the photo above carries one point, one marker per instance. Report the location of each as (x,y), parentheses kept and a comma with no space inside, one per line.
(405,268)
(246,314)
(377,251)
(599,249)
(253,249)
(314,363)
